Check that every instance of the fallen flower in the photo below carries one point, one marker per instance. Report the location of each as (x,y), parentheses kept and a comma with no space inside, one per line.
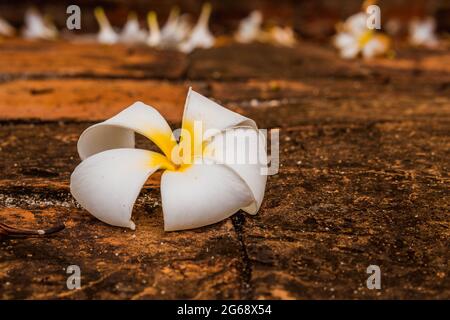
(422,33)
(249,28)
(13,232)
(131,32)
(355,38)
(169,29)
(154,35)
(175,30)
(393,27)
(6,29)
(182,29)
(283,36)
(36,27)
(202,182)
(200,36)
(106,34)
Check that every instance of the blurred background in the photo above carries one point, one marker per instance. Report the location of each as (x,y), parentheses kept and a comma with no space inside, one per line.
(314,19)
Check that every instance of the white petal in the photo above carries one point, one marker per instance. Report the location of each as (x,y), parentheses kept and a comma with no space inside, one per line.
(118,131)
(6,29)
(200,195)
(244,151)
(423,32)
(106,35)
(344,39)
(200,36)
(154,37)
(283,36)
(350,51)
(183,28)
(357,23)
(375,47)
(132,32)
(175,31)
(108,183)
(212,115)
(169,27)
(36,27)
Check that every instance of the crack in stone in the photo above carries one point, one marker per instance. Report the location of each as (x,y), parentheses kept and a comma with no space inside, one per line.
(245,264)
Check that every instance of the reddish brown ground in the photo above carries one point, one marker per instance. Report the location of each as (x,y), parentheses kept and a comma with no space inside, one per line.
(364,176)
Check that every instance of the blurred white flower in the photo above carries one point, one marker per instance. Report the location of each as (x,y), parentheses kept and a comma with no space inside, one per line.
(169,29)
(36,27)
(154,35)
(355,38)
(174,32)
(356,24)
(283,36)
(106,34)
(132,32)
(347,44)
(200,36)
(182,28)
(6,29)
(250,31)
(375,46)
(250,28)
(422,32)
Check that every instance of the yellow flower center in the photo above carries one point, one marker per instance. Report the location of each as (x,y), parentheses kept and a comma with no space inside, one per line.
(365,38)
(179,156)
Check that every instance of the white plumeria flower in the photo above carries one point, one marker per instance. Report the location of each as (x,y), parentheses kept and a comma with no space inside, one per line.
(106,34)
(200,36)
(174,31)
(36,27)
(354,38)
(154,35)
(250,31)
(202,183)
(347,44)
(132,32)
(6,29)
(422,32)
(250,28)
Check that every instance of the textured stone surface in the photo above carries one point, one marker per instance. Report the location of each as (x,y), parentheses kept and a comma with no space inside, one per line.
(364,174)
(41,60)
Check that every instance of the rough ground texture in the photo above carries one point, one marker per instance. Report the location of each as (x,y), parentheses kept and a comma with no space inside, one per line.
(363,179)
